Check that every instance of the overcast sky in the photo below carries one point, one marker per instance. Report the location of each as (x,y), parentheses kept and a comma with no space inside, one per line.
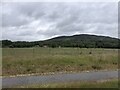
(33,21)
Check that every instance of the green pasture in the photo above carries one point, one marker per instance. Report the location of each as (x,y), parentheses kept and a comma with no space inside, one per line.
(42,60)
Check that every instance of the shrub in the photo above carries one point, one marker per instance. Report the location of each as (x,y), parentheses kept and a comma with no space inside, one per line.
(98,67)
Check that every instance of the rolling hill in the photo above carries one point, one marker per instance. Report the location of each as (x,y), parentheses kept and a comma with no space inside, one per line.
(81,40)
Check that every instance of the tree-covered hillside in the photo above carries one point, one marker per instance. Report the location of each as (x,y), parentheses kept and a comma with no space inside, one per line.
(82,41)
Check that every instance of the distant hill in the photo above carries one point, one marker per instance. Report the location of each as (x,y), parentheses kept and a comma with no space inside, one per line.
(82,41)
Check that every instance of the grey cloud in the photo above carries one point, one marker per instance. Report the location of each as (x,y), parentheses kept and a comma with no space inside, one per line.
(38,21)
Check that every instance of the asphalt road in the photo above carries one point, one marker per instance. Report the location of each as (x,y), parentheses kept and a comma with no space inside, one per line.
(9,82)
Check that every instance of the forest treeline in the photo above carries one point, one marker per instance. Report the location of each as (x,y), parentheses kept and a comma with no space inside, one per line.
(81,41)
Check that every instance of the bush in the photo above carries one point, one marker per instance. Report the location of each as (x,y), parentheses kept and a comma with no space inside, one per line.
(98,67)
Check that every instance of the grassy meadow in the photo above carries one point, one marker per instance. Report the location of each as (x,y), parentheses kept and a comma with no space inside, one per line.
(42,60)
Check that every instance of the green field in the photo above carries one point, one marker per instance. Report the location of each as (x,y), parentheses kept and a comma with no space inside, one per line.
(41,60)
(83,84)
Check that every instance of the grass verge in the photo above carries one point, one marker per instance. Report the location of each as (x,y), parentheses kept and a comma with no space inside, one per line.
(113,83)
